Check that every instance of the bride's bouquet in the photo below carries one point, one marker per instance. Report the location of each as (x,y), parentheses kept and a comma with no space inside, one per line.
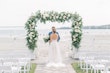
(46,39)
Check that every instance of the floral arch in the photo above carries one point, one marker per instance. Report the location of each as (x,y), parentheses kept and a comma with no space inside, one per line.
(43,17)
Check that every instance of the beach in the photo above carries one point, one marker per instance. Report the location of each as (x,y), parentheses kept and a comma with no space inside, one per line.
(96,40)
(92,41)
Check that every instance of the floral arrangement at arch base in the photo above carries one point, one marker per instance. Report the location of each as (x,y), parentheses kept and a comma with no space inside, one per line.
(52,16)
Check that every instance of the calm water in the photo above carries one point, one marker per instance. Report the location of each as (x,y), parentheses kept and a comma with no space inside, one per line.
(21,32)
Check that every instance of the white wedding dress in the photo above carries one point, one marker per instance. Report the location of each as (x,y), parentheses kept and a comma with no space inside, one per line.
(55,58)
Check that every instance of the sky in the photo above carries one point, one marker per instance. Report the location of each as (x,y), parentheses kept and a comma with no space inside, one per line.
(16,12)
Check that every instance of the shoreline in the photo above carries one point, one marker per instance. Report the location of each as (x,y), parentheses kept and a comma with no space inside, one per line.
(97,42)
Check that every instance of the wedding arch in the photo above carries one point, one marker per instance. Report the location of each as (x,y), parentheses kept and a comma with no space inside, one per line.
(52,16)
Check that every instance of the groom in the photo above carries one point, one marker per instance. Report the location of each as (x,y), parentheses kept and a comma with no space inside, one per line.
(54,30)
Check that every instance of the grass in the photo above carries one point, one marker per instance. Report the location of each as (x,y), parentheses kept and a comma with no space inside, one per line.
(33,68)
(77,68)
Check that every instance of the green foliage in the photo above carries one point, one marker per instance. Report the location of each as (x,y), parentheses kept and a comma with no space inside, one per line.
(78,69)
(46,39)
(33,68)
(52,16)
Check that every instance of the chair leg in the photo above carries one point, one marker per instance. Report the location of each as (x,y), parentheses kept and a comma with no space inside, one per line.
(91,70)
(94,71)
(86,68)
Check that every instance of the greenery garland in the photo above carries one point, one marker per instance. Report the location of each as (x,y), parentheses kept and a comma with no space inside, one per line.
(43,17)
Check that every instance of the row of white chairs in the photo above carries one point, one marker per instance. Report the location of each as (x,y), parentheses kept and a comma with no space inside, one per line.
(15,62)
(94,61)
(15,65)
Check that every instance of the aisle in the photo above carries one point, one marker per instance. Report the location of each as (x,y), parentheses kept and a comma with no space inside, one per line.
(41,66)
(42,57)
(44,69)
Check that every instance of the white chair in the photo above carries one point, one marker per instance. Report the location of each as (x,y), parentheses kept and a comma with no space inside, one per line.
(8,69)
(25,63)
(10,62)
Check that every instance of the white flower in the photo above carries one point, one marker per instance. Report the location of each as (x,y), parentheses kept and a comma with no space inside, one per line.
(54,18)
(78,30)
(30,40)
(44,16)
(76,27)
(31,29)
(64,17)
(31,34)
(52,15)
(61,14)
(42,12)
(69,15)
(80,23)
(76,35)
(32,25)
(35,38)
(57,17)
(74,39)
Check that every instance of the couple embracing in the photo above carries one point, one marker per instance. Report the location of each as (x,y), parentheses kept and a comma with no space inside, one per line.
(55,58)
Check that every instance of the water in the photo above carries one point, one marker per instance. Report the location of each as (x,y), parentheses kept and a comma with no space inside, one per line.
(96,31)
(12,32)
(21,32)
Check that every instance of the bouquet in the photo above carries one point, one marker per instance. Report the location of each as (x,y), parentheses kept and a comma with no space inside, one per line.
(46,39)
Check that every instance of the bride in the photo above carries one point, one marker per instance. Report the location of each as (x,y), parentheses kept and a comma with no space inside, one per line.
(55,58)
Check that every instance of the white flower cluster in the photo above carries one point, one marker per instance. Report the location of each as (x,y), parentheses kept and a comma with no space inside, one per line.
(31,35)
(78,30)
(74,38)
(44,15)
(32,26)
(55,15)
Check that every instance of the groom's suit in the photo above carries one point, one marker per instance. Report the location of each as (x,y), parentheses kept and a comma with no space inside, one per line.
(58,35)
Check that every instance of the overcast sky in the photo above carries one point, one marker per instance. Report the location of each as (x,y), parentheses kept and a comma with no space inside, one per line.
(16,12)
